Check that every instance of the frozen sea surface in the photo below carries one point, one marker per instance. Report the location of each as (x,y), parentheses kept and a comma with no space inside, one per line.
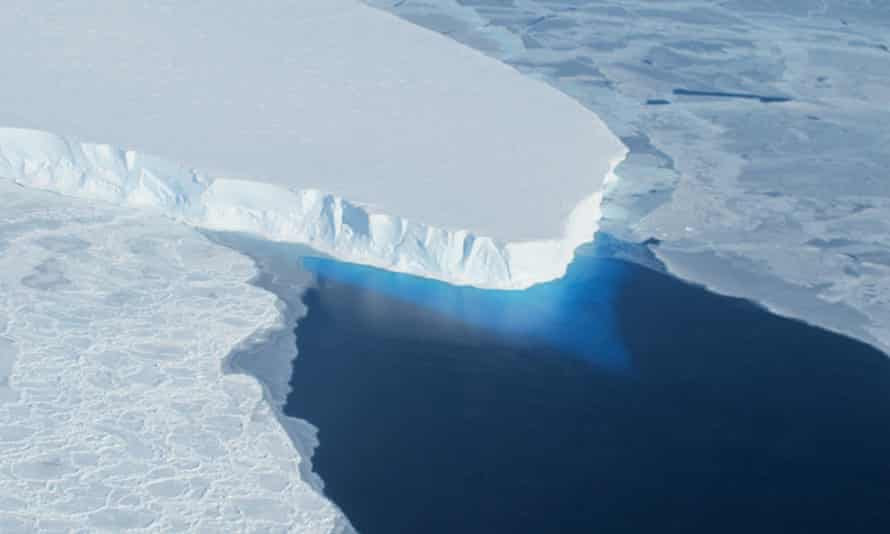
(115,410)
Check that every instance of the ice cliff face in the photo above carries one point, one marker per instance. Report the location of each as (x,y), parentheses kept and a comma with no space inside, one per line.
(325,222)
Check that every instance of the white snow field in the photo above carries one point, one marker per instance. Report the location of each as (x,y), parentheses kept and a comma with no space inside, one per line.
(115,412)
(333,124)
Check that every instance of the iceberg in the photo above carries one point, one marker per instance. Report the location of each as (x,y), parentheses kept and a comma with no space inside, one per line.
(328,123)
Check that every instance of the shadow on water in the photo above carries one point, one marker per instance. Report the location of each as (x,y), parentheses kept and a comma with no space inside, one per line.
(444,409)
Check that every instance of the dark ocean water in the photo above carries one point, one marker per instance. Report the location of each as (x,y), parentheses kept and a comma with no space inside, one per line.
(616,400)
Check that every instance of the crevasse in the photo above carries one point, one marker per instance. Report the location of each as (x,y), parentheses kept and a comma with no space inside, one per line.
(322,221)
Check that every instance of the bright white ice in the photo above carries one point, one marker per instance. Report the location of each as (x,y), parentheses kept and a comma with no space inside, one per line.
(326,222)
(114,410)
(329,95)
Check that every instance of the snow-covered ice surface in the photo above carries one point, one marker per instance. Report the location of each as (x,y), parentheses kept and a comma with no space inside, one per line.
(115,411)
(502,172)
(784,202)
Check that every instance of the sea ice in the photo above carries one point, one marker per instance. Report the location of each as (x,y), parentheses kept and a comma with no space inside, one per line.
(115,410)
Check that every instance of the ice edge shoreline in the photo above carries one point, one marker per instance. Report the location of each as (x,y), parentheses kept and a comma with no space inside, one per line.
(276,344)
(325,222)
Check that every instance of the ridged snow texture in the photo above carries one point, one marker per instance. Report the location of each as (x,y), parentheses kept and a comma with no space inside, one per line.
(325,222)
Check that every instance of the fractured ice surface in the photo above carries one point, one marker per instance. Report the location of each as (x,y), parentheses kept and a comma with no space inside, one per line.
(454,165)
(115,412)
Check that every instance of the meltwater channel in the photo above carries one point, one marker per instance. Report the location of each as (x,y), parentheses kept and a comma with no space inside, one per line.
(615,400)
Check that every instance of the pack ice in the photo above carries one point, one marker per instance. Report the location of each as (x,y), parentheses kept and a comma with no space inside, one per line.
(116,413)
(321,122)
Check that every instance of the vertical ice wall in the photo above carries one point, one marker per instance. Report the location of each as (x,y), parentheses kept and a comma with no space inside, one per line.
(323,221)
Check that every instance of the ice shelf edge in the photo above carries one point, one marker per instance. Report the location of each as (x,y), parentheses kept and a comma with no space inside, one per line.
(325,222)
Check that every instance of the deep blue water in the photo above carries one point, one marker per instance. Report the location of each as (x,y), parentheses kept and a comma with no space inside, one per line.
(616,400)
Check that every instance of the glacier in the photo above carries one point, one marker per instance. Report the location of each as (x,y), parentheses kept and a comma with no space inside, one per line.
(387,144)
(327,223)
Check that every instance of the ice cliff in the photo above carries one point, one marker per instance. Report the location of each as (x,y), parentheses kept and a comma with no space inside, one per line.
(325,222)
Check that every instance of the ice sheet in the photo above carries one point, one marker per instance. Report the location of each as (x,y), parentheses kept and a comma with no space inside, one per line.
(325,94)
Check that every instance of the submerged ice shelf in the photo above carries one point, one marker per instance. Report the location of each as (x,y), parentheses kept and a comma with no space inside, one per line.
(323,221)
